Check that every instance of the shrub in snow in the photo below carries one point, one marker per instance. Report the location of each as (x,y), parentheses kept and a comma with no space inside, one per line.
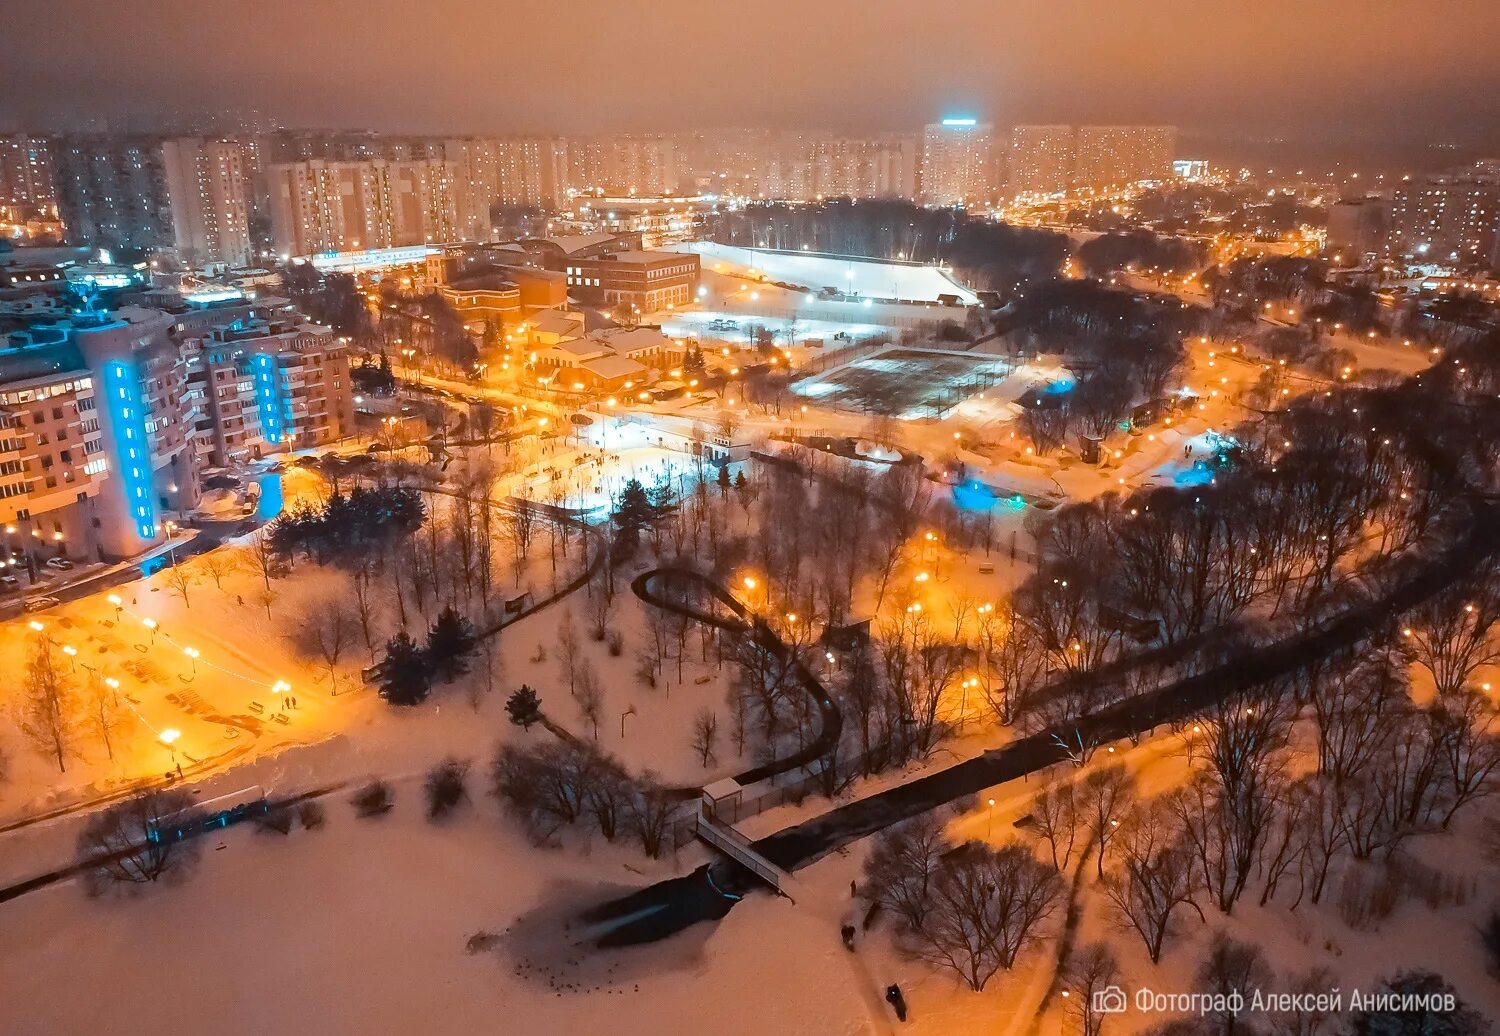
(311,814)
(373,799)
(277,819)
(446,789)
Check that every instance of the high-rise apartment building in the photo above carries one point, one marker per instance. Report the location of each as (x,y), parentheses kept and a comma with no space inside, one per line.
(208,189)
(112,192)
(958,162)
(809,166)
(27,184)
(1450,219)
(188,196)
(1041,160)
(644,165)
(51,458)
(510,171)
(266,385)
(318,206)
(1113,156)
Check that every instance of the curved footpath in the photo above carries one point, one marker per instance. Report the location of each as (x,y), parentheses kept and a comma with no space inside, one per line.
(831,715)
(667,907)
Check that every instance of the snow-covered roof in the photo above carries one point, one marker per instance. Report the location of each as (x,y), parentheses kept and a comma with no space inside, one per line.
(582,348)
(556,322)
(633,340)
(578,242)
(613,366)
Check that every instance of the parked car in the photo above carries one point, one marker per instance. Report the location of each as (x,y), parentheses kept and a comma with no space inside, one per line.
(36,604)
(9,581)
(61,564)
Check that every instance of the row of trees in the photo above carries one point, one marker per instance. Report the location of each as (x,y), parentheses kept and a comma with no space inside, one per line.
(348,526)
(995,255)
(563,783)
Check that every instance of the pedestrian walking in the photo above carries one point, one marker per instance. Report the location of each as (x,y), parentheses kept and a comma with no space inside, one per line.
(853,890)
(896,1000)
(847,934)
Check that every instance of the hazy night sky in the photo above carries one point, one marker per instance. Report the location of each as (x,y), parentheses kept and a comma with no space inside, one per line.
(1313,69)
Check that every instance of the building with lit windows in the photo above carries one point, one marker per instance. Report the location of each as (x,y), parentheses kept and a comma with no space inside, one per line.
(140,381)
(648,281)
(52,463)
(1040,160)
(208,190)
(1115,156)
(112,192)
(266,385)
(28,187)
(958,162)
(319,206)
(811,166)
(1451,219)
(628,164)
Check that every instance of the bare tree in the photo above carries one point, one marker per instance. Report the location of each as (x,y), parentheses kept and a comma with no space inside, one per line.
(1104,800)
(1231,968)
(325,632)
(219,563)
(1089,972)
(1055,816)
(589,695)
(569,651)
(365,604)
(263,559)
(650,812)
(106,713)
(48,709)
(1157,877)
(986,906)
(181,582)
(705,735)
(899,871)
(1451,636)
(139,840)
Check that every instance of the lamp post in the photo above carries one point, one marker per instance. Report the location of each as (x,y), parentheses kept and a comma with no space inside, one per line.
(628,712)
(192,654)
(169,738)
(151,625)
(989,828)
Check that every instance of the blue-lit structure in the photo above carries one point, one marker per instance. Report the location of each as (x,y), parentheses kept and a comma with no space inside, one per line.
(127,417)
(268,397)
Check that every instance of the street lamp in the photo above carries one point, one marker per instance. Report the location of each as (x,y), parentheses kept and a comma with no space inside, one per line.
(990,825)
(192,654)
(119,604)
(151,625)
(72,653)
(169,738)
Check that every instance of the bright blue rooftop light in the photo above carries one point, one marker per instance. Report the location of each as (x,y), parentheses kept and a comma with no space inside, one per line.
(957,121)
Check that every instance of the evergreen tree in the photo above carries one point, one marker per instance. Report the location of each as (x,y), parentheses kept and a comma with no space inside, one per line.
(633,513)
(524,707)
(405,675)
(450,642)
(724,482)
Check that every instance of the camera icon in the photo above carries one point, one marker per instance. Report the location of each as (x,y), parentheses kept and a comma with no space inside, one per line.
(1109,1000)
